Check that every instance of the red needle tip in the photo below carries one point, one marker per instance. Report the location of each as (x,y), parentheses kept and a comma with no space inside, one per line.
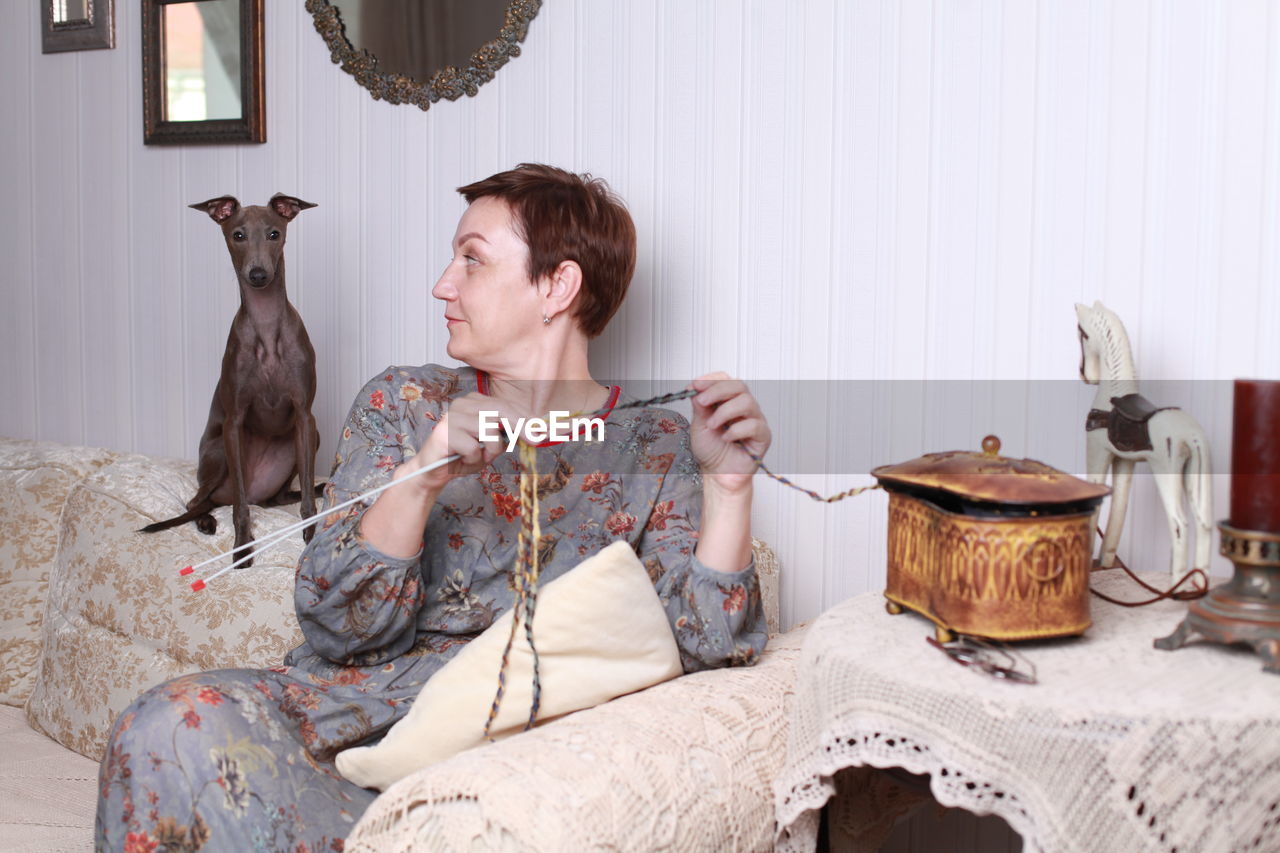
(198,585)
(188,570)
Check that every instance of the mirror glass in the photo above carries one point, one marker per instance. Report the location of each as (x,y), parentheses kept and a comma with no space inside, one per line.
(202,60)
(416,38)
(70,11)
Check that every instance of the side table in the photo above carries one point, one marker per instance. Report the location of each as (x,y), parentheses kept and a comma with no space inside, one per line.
(1119,747)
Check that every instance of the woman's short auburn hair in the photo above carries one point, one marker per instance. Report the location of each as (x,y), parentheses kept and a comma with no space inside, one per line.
(567,217)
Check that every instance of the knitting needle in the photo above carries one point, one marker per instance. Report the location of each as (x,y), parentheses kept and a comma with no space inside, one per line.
(271,538)
(267,541)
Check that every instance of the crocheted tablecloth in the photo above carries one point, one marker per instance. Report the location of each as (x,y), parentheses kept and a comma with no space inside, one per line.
(1119,747)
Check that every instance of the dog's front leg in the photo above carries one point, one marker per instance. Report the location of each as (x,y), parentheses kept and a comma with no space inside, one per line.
(306,441)
(234,436)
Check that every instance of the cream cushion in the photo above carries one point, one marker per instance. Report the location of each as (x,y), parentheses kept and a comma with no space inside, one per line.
(601,632)
(119,618)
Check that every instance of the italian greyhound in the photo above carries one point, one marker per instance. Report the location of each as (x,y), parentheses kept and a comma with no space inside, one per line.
(261,432)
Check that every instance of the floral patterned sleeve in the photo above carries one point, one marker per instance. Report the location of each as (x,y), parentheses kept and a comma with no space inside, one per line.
(717,617)
(356,605)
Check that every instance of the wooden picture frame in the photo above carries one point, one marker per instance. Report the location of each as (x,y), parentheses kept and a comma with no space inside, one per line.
(94,31)
(158,128)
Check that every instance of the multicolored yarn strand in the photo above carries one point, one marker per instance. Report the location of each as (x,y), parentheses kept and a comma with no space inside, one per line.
(525,576)
(525,573)
(847,493)
(689,392)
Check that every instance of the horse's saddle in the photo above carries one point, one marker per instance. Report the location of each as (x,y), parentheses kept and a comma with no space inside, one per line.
(1126,423)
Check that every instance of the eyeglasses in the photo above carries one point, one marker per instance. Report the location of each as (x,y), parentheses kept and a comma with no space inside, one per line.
(996,661)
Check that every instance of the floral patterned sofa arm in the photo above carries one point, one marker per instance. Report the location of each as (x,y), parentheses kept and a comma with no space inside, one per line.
(35,479)
(117,617)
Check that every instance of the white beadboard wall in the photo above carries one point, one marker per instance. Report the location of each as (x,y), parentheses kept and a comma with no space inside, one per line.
(824,189)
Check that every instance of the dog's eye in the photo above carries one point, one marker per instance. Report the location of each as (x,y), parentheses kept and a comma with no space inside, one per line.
(274,235)
(237,235)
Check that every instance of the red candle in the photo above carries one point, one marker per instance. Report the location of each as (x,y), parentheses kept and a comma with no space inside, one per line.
(1255,456)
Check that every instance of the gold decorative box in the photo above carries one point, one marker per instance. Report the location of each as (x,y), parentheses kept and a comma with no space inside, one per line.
(990,546)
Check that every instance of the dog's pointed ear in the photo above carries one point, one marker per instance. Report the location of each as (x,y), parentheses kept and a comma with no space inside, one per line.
(288,206)
(220,209)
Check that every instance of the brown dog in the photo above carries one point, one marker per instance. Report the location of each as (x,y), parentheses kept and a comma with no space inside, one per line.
(261,432)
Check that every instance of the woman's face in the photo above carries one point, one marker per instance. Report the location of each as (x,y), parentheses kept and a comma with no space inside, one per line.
(491,307)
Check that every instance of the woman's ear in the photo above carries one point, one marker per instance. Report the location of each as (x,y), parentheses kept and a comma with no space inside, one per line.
(562,287)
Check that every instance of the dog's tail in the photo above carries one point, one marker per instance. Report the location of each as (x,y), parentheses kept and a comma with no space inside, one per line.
(189,515)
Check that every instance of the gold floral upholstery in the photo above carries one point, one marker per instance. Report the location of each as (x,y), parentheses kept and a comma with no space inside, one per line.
(767,571)
(119,617)
(35,478)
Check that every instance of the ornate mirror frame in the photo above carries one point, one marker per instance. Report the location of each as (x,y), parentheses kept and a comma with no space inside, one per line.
(252,124)
(97,30)
(449,82)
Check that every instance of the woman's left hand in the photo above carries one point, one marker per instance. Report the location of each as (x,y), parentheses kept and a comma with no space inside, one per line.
(727,422)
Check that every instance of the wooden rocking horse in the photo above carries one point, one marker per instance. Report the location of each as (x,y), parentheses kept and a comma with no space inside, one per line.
(1123,427)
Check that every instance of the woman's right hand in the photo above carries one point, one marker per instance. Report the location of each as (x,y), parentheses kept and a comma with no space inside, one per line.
(395,522)
(458,432)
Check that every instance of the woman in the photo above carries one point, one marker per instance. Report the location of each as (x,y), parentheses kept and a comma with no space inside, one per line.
(386,594)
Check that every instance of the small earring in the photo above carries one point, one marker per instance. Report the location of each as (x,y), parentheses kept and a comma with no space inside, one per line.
(546,321)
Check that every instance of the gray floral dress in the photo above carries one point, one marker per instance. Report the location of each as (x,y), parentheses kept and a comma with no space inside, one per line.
(243,759)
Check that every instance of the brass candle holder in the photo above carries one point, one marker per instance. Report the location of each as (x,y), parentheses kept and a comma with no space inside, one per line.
(1246,609)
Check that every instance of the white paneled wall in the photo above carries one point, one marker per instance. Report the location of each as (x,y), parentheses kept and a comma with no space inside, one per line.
(825,189)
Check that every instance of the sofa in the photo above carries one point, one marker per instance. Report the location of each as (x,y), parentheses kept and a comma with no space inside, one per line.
(93,613)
